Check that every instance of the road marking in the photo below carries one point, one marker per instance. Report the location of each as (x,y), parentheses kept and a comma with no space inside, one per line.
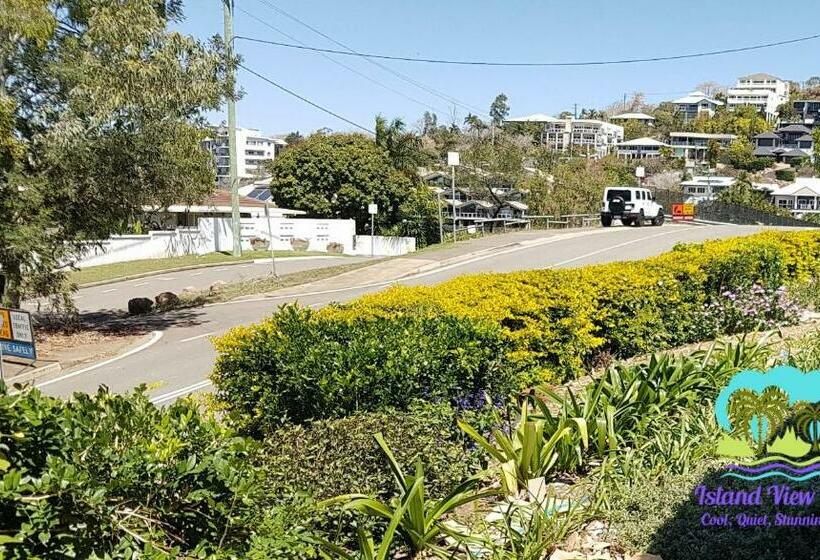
(197,274)
(165,278)
(546,241)
(155,336)
(109,291)
(141,284)
(245,266)
(605,249)
(189,339)
(181,392)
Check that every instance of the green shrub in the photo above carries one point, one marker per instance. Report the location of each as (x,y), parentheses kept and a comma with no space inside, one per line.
(332,457)
(107,476)
(300,365)
(784,174)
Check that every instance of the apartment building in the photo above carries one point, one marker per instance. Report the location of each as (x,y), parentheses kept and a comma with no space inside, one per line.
(694,145)
(696,104)
(641,118)
(762,91)
(589,137)
(253,150)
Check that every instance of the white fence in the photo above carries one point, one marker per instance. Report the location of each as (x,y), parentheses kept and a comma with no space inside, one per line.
(215,234)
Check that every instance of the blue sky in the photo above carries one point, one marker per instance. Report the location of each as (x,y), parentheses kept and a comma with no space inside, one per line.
(502,30)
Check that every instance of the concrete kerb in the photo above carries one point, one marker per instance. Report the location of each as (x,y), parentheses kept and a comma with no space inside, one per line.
(30,376)
(160,272)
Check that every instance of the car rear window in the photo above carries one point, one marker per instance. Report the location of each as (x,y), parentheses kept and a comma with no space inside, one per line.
(624,194)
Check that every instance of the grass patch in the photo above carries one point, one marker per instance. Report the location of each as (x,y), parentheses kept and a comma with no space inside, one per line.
(227,292)
(119,270)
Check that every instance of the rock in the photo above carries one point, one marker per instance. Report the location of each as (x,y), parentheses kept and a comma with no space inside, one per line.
(216,286)
(298,244)
(566,555)
(573,542)
(166,299)
(139,306)
(595,529)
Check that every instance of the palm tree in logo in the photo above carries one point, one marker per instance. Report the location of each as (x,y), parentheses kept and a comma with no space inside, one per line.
(807,423)
(757,416)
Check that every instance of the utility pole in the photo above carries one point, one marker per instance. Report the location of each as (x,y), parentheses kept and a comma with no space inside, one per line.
(575,110)
(236,228)
(440,220)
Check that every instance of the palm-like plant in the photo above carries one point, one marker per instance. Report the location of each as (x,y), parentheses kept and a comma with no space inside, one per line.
(807,423)
(402,147)
(529,452)
(411,515)
(757,416)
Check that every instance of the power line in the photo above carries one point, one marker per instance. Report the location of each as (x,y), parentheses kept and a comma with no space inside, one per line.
(538,64)
(349,51)
(345,66)
(306,100)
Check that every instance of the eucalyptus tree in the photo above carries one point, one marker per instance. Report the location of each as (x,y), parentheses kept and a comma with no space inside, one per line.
(100,115)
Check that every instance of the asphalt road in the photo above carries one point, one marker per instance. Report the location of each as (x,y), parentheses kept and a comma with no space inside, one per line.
(115,296)
(180,356)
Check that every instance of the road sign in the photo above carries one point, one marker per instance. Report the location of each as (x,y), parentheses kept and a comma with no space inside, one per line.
(683,211)
(372,208)
(453,159)
(16,334)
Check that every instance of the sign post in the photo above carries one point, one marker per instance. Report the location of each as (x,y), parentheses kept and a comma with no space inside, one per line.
(453,162)
(270,242)
(16,335)
(683,212)
(372,209)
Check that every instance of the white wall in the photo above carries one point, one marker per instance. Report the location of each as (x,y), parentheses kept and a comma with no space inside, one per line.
(215,234)
(383,246)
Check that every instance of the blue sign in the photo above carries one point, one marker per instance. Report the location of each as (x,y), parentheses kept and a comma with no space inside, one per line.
(18,349)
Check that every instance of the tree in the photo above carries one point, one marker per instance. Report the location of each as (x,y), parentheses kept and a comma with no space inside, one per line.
(99,114)
(402,147)
(711,88)
(713,151)
(337,176)
(807,423)
(740,155)
(499,109)
(294,138)
(758,416)
(473,123)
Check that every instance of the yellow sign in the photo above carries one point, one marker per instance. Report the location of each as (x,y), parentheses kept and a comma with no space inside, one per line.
(5,325)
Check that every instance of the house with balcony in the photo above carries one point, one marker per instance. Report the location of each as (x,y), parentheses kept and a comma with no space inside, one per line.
(706,187)
(642,118)
(696,104)
(640,148)
(589,137)
(253,150)
(801,198)
(470,207)
(785,144)
(694,145)
(762,91)
(808,111)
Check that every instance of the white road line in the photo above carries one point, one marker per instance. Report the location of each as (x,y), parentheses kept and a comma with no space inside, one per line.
(181,392)
(141,284)
(189,339)
(245,265)
(605,249)
(197,274)
(166,278)
(109,291)
(155,336)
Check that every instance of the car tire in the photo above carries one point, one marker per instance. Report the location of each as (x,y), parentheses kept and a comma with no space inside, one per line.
(659,219)
(606,221)
(639,220)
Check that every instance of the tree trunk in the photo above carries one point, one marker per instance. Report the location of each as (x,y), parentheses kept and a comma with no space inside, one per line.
(14,279)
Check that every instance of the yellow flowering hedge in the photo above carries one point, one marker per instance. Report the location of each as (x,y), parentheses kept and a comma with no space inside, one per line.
(558,319)
(484,334)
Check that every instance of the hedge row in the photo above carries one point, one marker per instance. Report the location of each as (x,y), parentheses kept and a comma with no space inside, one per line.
(480,333)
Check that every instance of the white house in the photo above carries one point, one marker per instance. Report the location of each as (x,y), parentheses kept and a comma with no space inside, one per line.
(640,148)
(696,104)
(642,118)
(589,136)
(253,150)
(693,145)
(761,91)
(218,205)
(800,198)
(706,187)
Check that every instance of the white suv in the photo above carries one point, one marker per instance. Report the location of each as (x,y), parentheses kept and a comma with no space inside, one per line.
(631,205)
